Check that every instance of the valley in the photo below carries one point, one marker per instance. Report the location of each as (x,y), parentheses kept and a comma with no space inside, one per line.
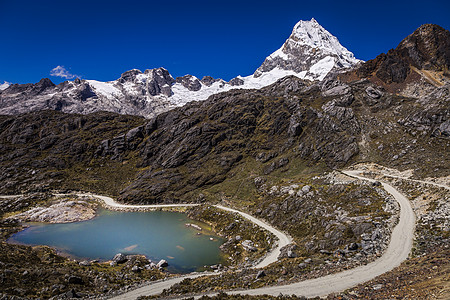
(324,175)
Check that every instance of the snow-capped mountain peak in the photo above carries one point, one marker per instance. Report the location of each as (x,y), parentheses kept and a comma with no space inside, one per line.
(312,34)
(310,51)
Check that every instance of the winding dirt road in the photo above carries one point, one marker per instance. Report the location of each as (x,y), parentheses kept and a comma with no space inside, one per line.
(397,251)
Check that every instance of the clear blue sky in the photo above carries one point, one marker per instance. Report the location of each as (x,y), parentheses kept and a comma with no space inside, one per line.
(102,39)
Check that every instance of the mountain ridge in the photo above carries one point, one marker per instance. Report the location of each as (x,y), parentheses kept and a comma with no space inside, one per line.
(419,64)
(153,91)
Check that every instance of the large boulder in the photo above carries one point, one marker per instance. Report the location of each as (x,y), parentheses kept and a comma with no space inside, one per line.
(119,258)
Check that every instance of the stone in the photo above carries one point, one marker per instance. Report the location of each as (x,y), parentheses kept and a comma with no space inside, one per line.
(291,254)
(119,258)
(162,264)
(135,133)
(249,246)
(160,83)
(306,189)
(337,91)
(230,227)
(444,128)
(208,80)
(259,181)
(260,274)
(71,294)
(84,263)
(353,246)
(75,280)
(136,269)
(307,261)
(374,93)
(377,286)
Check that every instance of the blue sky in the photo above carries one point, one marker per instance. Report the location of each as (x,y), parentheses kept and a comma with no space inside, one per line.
(102,39)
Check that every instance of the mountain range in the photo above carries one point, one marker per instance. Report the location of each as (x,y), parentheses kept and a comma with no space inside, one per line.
(310,52)
(271,144)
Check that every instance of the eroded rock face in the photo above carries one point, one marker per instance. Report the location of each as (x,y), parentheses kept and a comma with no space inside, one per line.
(136,92)
(419,64)
(208,80)
(190,82)
(166,158)
(236,81)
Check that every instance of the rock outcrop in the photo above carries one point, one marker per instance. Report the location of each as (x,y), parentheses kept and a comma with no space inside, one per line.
(420,63)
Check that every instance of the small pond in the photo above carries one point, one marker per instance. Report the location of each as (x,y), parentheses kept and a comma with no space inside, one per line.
(155,234)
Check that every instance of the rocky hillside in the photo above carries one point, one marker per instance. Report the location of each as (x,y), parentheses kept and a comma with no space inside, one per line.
(419,64)
(290,126)
(311,52)
(272,152)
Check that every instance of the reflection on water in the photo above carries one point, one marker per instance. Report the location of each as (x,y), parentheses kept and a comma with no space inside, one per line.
(157,235)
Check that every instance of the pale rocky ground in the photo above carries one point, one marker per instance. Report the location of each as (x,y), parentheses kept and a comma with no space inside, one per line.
(430,202)
(63,211)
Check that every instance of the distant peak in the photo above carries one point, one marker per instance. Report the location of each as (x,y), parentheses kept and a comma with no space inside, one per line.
(45,82)
(310,49)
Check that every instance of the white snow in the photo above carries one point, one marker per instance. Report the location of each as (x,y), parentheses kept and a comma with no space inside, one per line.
(141,78)
(279,53)
(323,67)
(105,88)
(182,95)
(312,39)
(322,49)
(314,35)
(4,85)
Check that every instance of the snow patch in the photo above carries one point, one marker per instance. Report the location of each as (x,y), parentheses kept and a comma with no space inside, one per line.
(105,88)
(323,67)
(279,53)
(4,85)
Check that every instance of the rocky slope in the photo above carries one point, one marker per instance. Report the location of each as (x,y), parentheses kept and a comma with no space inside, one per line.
(311,52)
(418,65)
(270,151)
(285,127)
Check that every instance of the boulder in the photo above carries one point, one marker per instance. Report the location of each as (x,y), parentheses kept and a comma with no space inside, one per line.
(119,258)
(337,91)
(373,93)
(306,189)
(444,128)
(136,269)
(260,274)
(291,254)
(84,263)
(353,246)
(162,264)
(248,245)
(75,280)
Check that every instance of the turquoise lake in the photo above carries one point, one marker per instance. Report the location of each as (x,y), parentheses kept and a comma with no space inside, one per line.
(156,234)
